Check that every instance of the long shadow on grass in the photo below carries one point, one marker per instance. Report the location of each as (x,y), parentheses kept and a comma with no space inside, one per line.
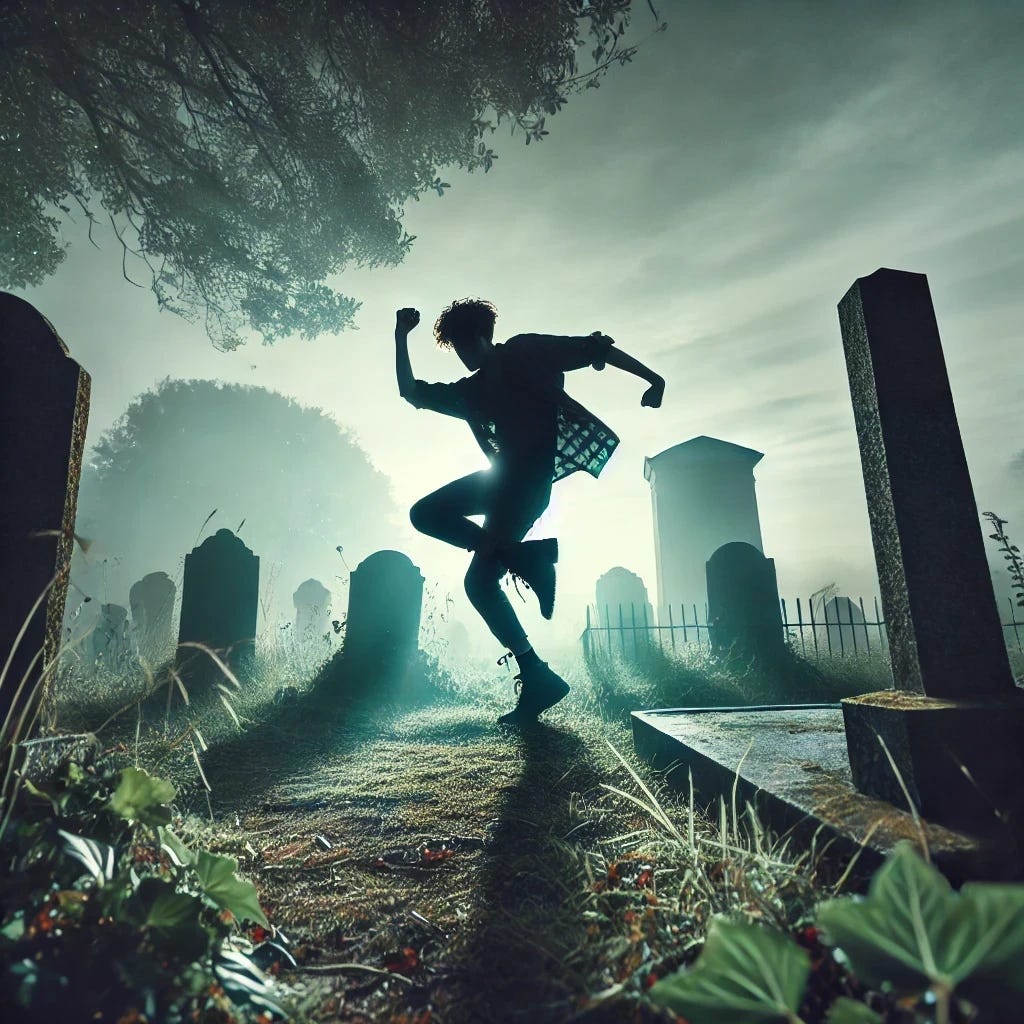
(341,711)
(524,954)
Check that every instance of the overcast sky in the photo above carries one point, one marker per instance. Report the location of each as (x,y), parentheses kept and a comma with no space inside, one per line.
(707,207)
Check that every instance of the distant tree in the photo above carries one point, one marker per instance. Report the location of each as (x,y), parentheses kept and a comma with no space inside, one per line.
(248,149)
(301,483)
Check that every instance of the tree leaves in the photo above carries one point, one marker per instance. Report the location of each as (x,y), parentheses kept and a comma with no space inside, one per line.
(217,876)
(246,153)
(745,975)
(141,797)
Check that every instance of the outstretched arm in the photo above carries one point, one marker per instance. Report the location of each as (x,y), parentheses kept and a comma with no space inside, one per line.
(653,395)
(405,321)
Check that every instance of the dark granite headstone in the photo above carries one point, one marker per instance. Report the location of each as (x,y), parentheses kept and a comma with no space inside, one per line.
(744,616)
(841,629)
(312,602)
(151,600)
(954,726)
(384,607)
(44,410)
(219,603)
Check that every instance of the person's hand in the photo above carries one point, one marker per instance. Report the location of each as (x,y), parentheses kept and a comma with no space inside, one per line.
(406,319)
(654,394)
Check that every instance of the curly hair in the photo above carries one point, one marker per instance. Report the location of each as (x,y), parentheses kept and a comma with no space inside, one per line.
(465,318)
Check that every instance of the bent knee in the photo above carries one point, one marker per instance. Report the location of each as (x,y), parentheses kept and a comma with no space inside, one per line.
(421,515)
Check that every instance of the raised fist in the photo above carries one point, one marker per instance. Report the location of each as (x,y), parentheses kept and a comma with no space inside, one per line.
(407,319)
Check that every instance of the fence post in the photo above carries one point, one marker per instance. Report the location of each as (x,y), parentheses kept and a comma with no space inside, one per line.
(632,613)
(696,621)
(647,631)
(1014,623)
(867,638)
(882,639)
(672,629)
(608,628)
(686,638)
(785,619)
(814,628)
(586,636)
(622,633)
(800,623)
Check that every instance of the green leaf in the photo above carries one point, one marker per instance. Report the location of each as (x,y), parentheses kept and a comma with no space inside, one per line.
(172,918)
(141,797)
(745,975)
(219,881)
(97,857)
(244,982)
(986,930)
(913,931)
(14,929)
(849,1011)
(179,852)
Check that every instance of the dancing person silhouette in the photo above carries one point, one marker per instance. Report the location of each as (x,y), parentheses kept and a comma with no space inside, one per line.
(533,434)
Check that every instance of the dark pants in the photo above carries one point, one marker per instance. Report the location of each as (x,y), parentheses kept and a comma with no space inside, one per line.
(510,503)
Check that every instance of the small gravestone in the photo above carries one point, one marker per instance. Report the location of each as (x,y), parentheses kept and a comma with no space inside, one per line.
(951,732)
(841,629)
(151,600)
(44,410)
(312,602)
(623,611)
(109,642)
(219,603)
(744,616)
(384,607)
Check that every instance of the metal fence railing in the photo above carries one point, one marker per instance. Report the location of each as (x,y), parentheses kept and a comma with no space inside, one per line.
(838,628)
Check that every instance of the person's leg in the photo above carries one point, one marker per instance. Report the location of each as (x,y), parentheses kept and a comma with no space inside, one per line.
(517,502)
(442,513)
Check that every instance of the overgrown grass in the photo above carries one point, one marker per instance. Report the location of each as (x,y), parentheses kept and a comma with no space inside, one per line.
(423,865)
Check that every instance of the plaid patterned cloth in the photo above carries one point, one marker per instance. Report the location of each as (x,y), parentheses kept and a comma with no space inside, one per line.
(536,365)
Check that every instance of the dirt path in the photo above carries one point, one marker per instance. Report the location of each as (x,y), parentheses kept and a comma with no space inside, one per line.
(460,861)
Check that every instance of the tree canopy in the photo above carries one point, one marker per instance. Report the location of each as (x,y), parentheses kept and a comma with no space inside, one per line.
(188,448)
(246,150)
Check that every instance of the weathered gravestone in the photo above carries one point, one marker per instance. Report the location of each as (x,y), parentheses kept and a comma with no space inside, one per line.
(312,602)
(702,496)
(151,600)
(384,607)
(954,724)
(109,644)
(44,410)
(841,629)
(623,610)
(744,616)
(219,603)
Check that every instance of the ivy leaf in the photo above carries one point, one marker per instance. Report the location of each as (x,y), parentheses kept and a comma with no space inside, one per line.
(97,857)
(849,1011)
(171,918)
(745,975)
(914,932)
(178,851)
(244,982)
(219,881)
(142,797)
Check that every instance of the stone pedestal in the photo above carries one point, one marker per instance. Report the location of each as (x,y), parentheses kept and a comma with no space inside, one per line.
(961,761)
